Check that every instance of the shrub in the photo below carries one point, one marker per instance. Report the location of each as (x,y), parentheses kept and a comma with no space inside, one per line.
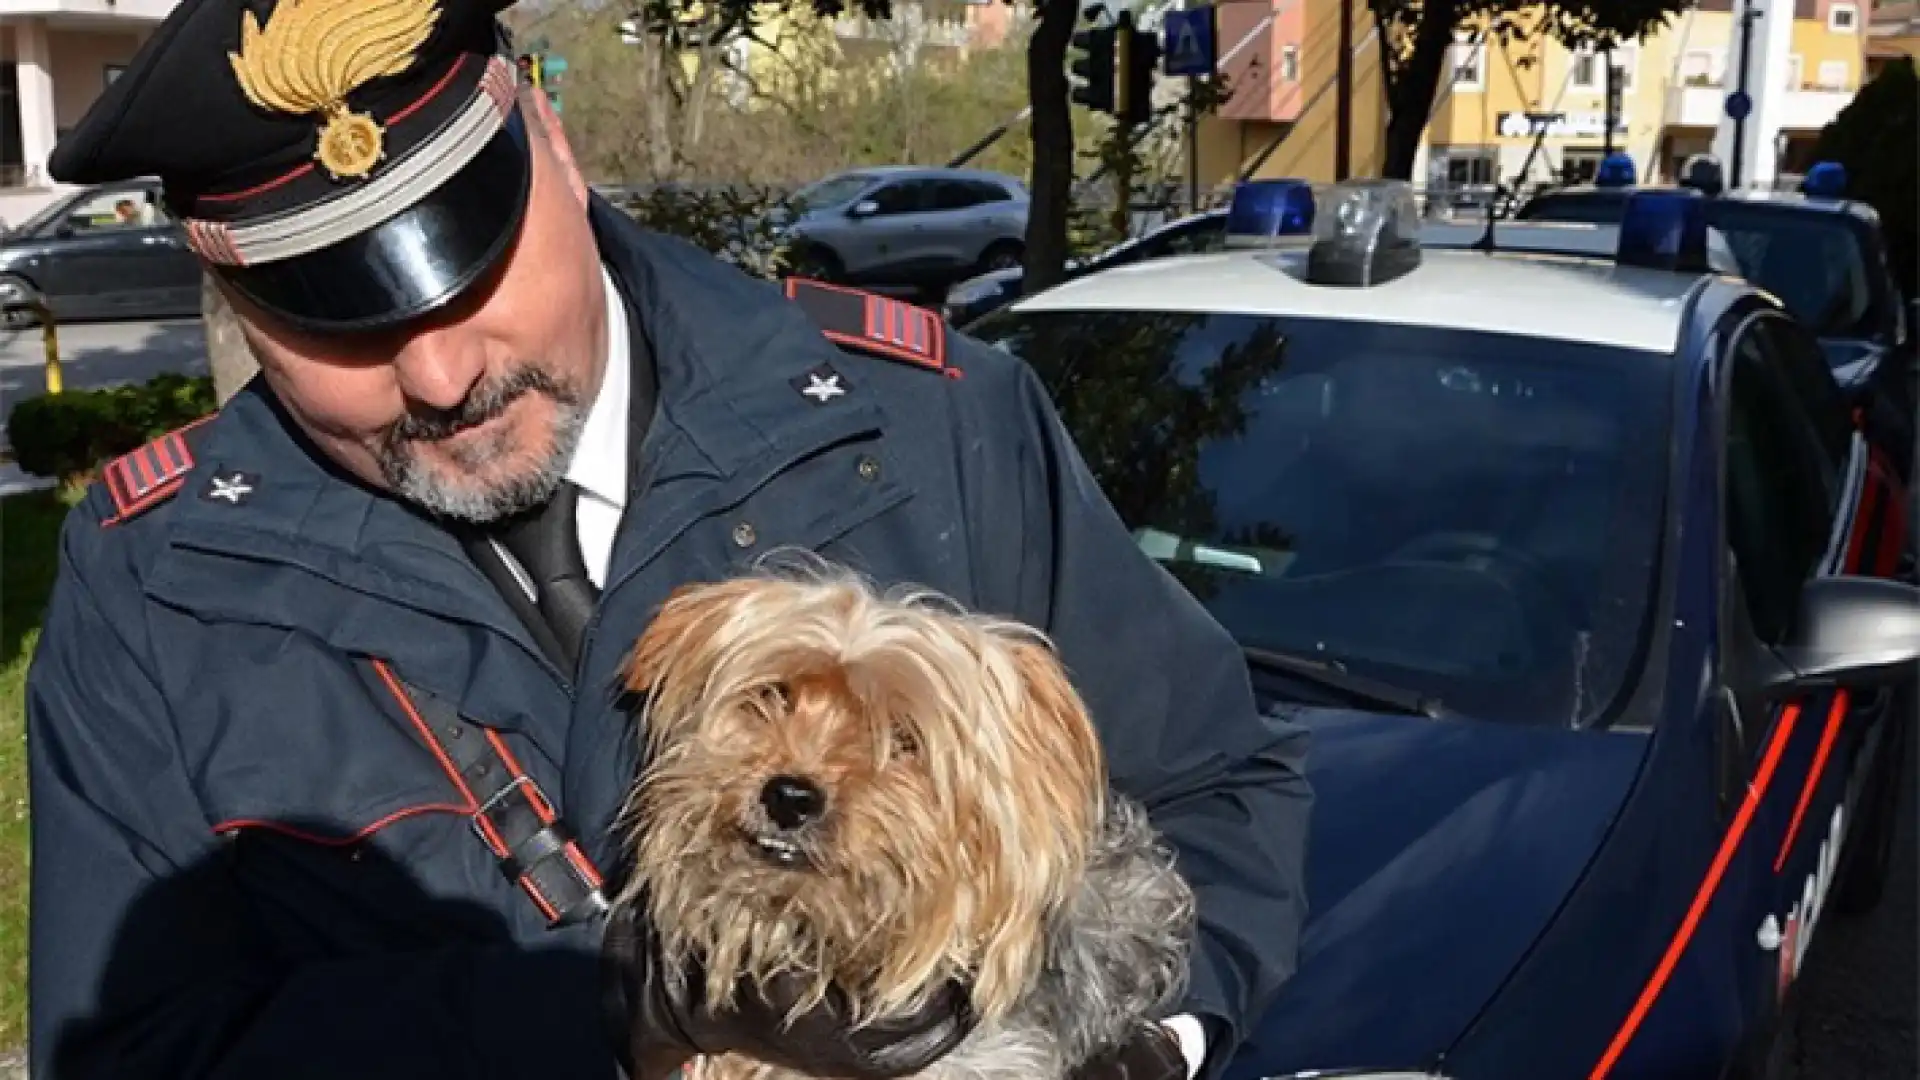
(742,225)
(68,436)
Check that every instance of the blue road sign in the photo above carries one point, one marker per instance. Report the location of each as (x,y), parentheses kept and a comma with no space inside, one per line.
(1739,105)
(1189,48)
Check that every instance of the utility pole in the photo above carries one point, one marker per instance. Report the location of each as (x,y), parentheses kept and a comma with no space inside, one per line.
(1612,115)
(1123,46)
(1747,16)
(1343,94)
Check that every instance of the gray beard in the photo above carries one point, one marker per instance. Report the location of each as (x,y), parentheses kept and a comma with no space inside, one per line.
(473,503)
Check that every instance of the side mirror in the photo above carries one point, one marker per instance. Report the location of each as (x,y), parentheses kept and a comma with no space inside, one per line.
(1855,632)
(863,208)
(65,231)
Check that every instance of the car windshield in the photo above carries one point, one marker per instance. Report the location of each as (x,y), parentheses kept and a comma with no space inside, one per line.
(1814,262)
(33,225)
(832,191)
(1472,516)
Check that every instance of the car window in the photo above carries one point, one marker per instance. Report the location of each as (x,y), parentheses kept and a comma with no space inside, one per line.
(956,195)
(1472,515)
(1803,367)
(114,210)
(904,197)
(1778,514)
(988,192)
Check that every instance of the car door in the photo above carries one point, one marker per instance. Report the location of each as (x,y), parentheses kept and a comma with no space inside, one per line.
(884,245)
(106,257)
(1790,512)
(170,285)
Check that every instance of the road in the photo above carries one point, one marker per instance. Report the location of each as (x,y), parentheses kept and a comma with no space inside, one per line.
(1862,976)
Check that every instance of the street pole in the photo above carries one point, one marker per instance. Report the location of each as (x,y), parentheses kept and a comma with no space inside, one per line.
(1606,140)
(1740,122)
(1193,144)
(1122,132)
(1343,93)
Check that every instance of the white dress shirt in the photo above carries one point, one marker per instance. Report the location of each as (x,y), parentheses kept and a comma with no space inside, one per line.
(599,470)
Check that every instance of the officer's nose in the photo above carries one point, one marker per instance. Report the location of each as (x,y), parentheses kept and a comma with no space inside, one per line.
(792,801)
(439,367)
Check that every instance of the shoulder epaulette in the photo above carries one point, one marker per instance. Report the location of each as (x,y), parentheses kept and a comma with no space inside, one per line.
(866,322)
(143,478)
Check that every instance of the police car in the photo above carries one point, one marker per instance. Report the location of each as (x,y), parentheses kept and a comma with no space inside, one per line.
(1583,578)
(1822,254)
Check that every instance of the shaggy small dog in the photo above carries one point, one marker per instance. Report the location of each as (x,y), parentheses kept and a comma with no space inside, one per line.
(882,792)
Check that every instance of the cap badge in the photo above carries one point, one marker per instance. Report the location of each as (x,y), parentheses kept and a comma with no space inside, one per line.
(313,53)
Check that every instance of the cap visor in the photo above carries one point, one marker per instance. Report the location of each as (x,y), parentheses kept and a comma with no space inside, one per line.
(410,264)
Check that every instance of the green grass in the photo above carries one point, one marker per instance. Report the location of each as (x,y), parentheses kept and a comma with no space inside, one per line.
(29,536)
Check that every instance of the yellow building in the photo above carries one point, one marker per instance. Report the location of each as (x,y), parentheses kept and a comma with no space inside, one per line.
(1281,119)
(1488,117)
(1893,31)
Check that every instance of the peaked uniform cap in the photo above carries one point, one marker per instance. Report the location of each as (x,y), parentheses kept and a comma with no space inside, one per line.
(344,164)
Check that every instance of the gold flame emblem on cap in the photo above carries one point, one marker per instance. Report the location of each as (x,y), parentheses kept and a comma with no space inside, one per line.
(313,53)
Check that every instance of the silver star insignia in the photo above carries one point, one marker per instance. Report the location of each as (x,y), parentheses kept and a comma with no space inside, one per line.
(825,388)
(230,488)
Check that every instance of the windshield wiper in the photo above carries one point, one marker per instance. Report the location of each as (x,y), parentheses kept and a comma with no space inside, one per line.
(1333,675)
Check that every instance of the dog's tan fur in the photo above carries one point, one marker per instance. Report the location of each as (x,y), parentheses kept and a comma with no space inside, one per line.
(965,786)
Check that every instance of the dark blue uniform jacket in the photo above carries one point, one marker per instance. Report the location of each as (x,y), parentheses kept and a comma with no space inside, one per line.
(246,862)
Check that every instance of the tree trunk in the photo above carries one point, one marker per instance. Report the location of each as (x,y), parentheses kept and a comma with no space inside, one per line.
(228,355)
(1410,97)
(1052,128)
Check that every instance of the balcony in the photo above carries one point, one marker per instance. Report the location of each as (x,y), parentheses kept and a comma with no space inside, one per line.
(1702,103)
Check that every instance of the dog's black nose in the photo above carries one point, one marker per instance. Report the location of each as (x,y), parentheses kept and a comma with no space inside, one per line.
(792,801)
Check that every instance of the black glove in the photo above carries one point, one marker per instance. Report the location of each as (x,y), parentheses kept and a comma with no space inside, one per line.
(1152,1054)
(657,1026)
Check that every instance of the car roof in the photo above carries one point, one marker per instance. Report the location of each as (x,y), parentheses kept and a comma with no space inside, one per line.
(1789,201)
(931,171)
(1533,295)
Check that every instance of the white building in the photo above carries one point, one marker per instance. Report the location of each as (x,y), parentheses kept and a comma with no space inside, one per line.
(56,56)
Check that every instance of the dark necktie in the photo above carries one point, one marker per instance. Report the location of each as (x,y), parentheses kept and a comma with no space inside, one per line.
(546,543)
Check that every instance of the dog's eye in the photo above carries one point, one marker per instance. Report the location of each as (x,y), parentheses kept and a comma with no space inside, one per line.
(903,741)
(779,696)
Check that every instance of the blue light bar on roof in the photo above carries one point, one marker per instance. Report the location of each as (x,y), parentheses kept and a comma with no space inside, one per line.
(1267,210)
(1826,180)
(1664,230)
(1616,170)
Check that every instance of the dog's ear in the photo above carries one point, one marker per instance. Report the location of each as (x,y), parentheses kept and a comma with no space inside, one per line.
(1073,754)
(688,622)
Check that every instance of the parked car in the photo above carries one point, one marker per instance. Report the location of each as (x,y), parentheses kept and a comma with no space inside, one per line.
(1596,600)
(1825,257)
(105,252)
(978,295)
(907,226)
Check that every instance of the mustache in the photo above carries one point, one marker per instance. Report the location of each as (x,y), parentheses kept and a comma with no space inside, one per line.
(483,403)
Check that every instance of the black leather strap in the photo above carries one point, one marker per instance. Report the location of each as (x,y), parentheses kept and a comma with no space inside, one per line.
(511,816)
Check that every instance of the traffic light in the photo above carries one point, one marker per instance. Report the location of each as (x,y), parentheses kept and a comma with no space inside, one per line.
(1139,59)
(1095,68)
(530,69)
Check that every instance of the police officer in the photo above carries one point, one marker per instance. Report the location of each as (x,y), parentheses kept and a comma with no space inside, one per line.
(326,762)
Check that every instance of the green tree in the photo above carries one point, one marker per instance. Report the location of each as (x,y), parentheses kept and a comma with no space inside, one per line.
(1416,38)
(1877,138)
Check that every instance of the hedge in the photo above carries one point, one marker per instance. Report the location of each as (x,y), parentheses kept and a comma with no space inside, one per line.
(68,436)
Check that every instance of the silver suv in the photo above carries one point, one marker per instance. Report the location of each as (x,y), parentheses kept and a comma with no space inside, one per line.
(907,226)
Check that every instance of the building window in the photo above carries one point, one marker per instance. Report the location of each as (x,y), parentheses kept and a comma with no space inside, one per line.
(1579,165)
(1833,75)
(1471,166)
(1588,77)
(1290,63)
(114,71)
(1795,64)
(1700,67)
(1843,18)
(1469,65)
